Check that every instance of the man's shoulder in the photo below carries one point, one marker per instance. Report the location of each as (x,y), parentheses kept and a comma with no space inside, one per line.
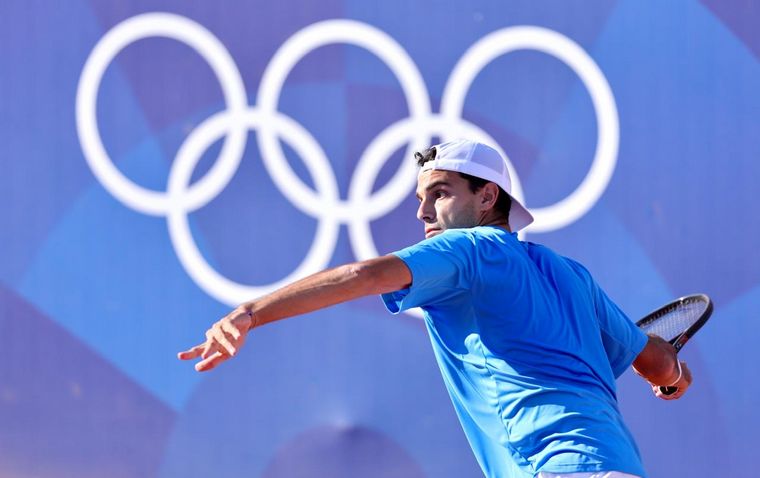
(536,249)
(548,257)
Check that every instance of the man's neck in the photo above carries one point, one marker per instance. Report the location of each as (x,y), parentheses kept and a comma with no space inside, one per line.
(497,220)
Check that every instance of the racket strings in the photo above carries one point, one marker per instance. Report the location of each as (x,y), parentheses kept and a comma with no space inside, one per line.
(675,320)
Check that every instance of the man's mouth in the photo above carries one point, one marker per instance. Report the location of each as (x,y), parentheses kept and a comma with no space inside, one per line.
(430,232)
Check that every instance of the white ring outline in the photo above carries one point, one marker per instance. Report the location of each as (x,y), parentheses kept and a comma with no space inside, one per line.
(273,79)
(213,51)
(506,40)
(216,285)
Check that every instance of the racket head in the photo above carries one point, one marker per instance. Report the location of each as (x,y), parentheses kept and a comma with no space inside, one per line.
(679,320)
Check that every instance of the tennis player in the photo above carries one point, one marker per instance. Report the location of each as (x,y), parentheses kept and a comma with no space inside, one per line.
(528,344)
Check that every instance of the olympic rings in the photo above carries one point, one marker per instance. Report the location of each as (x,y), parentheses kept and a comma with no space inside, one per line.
(323,202)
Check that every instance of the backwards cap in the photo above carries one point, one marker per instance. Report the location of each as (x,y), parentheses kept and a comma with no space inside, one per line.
(481,161)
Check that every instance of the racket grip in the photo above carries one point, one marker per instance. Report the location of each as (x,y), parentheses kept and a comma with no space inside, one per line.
(668,390)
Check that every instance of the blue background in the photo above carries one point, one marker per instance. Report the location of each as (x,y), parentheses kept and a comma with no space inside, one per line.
(94,303)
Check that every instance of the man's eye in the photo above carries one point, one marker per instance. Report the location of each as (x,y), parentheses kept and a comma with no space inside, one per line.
(440,194)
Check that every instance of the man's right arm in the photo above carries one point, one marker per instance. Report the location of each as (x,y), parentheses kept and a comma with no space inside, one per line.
(658,364)
(317,291)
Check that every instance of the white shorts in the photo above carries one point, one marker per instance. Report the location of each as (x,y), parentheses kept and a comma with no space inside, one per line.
(596,474)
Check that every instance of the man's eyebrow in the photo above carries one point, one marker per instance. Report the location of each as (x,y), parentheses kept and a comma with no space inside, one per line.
(434,184)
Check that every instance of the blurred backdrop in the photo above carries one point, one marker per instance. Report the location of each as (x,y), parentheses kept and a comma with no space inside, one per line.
(164,160)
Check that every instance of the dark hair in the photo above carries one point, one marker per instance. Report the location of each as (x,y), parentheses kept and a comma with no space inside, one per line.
(503,201)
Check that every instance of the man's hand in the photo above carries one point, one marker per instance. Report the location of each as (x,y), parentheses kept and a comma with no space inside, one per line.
(658,364)
(682,384)
(223,340)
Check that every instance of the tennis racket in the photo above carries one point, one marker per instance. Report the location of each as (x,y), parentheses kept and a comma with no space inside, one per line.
(677,322)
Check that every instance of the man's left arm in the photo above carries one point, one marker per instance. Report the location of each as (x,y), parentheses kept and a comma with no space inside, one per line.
(318,291)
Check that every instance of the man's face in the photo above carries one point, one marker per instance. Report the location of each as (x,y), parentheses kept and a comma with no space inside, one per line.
(446,202)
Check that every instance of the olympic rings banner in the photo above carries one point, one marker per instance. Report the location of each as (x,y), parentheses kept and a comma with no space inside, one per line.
(164,161)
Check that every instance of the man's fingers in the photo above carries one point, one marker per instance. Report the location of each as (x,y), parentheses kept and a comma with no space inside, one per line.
(221,338)
(191,353)
(211,362)
(209,346)
(231,331)
(659,393)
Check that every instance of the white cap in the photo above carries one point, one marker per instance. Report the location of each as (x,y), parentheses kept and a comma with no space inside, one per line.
(481,161)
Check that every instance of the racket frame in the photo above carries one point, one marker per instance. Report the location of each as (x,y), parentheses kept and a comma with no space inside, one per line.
(680,340)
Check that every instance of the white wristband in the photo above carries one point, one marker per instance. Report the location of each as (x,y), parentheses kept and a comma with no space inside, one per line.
(680,373)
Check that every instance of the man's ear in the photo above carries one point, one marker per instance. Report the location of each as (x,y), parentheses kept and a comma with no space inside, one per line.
(489,193)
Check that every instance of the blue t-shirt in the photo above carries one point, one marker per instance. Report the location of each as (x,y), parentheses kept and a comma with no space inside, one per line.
(529,347)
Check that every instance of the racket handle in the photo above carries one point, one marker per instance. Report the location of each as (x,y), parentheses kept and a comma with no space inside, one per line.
(668,390)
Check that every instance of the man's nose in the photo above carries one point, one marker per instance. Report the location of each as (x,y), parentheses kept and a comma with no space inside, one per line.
(425,213)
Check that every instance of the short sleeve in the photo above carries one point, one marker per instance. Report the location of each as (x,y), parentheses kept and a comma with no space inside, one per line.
(441,268)
(622,339)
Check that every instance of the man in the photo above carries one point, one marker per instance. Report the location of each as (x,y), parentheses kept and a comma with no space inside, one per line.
(528,345)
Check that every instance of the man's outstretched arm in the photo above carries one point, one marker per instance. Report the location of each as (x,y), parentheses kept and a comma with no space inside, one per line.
(323,289)
(658,364)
